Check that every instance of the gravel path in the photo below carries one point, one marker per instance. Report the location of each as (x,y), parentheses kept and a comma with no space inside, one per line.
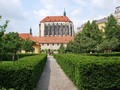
(53,77)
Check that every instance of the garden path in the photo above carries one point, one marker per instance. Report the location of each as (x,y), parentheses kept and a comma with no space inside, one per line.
(53,77)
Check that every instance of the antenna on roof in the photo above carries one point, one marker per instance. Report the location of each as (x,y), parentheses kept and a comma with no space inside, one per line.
(64,14)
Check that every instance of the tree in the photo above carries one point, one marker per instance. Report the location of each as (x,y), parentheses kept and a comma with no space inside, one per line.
(112,35)
(61,49)
(96,35)
(109,44)
(111,29)
(27,45)
(70,47)
(87,29)
(12,44)
(2,30)
(93,39)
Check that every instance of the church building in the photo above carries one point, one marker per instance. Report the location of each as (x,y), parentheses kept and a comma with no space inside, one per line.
(53,31)
(56,26)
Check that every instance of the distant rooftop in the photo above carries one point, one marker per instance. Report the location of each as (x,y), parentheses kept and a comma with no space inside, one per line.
(101,21)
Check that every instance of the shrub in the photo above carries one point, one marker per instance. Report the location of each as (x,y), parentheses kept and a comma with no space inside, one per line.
(8,56)
(91,72)
(22,74)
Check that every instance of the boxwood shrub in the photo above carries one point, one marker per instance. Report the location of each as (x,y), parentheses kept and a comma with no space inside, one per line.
(91,72)
(8,56)
(22,74)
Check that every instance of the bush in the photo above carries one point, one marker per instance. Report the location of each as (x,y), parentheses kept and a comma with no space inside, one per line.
(8,56)
(22,74)
(110,54)
(91,72)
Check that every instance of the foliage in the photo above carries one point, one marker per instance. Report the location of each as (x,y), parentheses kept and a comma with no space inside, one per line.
(91,39)
(2,30)
(112,35)
(70,47)
(87,40)
(109,44)
(91,72)
(11,44)
(27,45)
(61,49)
(22,74)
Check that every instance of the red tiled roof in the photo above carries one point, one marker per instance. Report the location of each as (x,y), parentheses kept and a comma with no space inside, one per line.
(53,39)
(48,39)
(25,35)
(56,19)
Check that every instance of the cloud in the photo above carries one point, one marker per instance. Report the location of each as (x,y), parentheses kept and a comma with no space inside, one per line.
(79,11)
(105,3)
(82,2)
(76,13)
(50,8)
(47,10)
(12,10)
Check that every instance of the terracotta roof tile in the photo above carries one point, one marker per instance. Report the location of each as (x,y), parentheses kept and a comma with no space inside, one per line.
(53,39)
(49,39)
(56,19)
(24,35)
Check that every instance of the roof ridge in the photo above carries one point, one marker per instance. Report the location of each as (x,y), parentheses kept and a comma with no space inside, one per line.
(56,19)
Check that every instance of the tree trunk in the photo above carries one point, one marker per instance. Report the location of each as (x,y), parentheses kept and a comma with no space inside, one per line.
(13,57)
(2,57)
(1,60)
(17,56)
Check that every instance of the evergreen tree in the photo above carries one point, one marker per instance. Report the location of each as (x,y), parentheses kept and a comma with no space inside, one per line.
(87,29)
(61,49)
(112,35)
(111,29)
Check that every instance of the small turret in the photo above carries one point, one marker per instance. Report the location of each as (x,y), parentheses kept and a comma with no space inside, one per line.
(30,31)
(64,14)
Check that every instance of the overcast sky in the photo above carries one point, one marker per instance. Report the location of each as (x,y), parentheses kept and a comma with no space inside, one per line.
(24,14)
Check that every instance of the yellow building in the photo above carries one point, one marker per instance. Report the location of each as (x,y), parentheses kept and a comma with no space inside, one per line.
(101,24)
(36,46)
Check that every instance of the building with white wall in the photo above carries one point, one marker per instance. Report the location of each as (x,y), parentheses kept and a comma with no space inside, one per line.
(52,42)
(117,14)
(53,31)
(56,26)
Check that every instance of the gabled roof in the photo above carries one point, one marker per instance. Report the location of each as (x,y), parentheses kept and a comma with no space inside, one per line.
(48,39)
(56,19)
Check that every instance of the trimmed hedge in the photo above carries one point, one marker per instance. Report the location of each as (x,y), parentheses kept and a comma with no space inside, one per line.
(22,74)
(91,72)
(8,57)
